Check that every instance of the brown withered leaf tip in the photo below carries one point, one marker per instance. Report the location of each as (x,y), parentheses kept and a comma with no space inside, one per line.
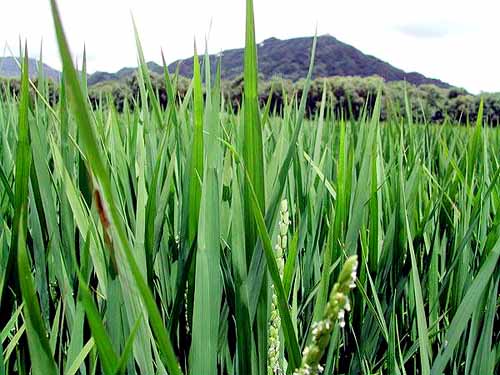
(105,226)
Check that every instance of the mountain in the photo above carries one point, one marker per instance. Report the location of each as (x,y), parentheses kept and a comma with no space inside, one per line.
(98,77)
(10,69)
(290,59)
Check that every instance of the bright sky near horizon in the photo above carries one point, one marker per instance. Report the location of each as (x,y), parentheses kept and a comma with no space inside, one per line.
(453,40)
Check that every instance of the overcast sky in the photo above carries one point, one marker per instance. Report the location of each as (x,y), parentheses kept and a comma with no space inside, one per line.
(453,40)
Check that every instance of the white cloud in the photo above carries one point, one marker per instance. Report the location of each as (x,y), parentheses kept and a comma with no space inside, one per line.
(423,30)
(451,40)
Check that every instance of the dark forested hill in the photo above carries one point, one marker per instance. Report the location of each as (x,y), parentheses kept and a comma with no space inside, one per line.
(290,59)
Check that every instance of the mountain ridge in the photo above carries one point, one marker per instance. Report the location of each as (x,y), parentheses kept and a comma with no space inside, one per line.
(9,68)
(288,58)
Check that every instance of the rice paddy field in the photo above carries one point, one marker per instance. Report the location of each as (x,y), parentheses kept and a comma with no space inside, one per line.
(202,239)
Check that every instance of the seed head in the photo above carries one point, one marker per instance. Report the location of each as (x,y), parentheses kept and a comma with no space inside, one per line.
(335,310)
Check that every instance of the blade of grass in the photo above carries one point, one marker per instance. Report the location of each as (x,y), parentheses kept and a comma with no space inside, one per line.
(95,161)
(40,353)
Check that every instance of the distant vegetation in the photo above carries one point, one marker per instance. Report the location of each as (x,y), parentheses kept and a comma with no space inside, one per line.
(351,78)
(346,95)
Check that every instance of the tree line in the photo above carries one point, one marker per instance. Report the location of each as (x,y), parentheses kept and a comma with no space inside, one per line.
(346,96)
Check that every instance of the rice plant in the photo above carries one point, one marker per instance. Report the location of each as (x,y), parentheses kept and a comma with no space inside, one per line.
(203,239)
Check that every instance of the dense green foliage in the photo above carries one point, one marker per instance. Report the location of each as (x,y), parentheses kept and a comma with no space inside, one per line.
(142,241)
(347,96)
